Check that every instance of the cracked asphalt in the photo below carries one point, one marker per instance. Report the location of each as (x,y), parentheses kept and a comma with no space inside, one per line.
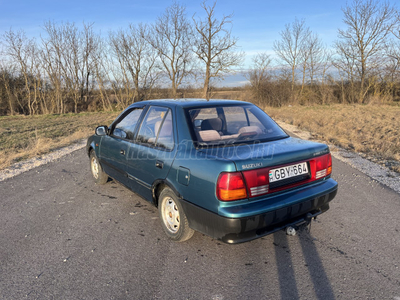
(63,237)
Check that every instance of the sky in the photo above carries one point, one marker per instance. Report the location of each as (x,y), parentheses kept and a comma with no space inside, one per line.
(256,23)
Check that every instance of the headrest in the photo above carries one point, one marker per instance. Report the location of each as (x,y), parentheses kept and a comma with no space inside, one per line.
(212,124)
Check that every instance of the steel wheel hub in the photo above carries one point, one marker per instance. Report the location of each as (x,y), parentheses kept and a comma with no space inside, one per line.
(95,168)
(170,214)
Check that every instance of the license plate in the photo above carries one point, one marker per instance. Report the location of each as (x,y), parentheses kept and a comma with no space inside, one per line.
(288,172)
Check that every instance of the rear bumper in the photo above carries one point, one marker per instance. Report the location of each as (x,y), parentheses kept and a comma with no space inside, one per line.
(304,205)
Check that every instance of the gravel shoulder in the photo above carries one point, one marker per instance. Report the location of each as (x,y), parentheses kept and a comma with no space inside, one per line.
(35,162)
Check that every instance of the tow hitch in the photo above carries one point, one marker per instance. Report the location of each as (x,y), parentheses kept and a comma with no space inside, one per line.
(292,230)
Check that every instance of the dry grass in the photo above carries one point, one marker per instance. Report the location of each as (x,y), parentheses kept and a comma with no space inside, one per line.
(373,130)
(23,137)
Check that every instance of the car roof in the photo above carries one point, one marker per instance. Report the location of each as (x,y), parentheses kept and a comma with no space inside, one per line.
(191,102)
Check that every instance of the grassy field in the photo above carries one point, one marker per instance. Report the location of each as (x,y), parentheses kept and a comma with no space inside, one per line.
(23,137)
(373,130)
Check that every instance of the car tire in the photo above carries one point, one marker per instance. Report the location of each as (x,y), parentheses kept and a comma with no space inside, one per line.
(99,176)
(173,218)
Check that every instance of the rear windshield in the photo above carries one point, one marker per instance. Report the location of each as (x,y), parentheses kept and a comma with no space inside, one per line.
(226,125)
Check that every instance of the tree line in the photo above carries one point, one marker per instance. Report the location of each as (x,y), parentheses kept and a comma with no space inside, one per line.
(69,67)
(72,69)
(362,65)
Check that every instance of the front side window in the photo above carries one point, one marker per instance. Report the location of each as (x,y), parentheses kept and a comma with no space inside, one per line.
(223,125)
(125,128)
(156,128)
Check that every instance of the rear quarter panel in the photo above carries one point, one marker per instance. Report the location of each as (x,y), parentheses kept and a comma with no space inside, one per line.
(204,172)
(204,169)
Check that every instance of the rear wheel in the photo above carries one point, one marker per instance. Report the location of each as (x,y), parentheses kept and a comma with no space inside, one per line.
(100,177)
(173,218)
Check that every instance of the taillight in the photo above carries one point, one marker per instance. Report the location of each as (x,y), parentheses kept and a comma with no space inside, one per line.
(230,186)
(323,166)
(329,169)
(257,181)
(254,183)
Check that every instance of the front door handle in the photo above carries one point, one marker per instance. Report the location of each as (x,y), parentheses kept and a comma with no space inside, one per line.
(122,152)
(159,164)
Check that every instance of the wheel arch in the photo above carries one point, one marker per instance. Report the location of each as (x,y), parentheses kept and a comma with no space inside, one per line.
(90,147)
(158,186)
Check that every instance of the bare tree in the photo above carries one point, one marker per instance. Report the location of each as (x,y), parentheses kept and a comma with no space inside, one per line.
(39,103)
(20,50)
(259,75)
(315,62)
(68,56)
(393,46)
(369,23)
(171,37)
(14,85)
(320,65)
(71,61)
(90,41)
(292,48)
(52,57)
(215,46)
(101,72)
(315,58)
(121,81)
(136,57)
(346,66)
(6,82)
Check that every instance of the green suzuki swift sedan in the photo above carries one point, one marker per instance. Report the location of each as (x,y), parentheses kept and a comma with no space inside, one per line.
(220,167)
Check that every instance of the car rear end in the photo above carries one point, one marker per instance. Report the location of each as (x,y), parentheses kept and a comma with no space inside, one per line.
(253,203)
(257,203)
(278,182)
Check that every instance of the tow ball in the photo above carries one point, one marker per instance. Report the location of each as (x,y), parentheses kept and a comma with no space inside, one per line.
(291,231)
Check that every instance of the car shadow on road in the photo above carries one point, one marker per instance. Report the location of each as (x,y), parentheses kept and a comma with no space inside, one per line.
(322,286)
(313,262)
(287,279)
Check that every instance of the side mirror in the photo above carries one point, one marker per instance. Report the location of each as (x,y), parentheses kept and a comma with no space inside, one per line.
(101,130)
(197,123)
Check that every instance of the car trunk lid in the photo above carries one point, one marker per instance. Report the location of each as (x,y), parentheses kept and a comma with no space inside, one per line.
(275,166)
(269,154)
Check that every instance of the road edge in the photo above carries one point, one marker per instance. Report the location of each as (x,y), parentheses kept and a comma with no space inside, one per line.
(26,165)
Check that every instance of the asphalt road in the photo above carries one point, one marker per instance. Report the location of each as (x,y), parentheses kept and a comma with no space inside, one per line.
(63,237)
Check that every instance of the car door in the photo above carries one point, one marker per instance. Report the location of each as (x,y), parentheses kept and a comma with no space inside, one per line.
(115,146)
(153,152)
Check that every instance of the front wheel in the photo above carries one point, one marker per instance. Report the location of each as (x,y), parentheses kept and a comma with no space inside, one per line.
(173,218)
(100,177)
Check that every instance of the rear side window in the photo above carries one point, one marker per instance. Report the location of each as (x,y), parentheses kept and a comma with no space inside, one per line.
(156,128)
(165,135)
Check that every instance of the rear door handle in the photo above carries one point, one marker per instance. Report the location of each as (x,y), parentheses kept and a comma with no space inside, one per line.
(122,152)
(159,164)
